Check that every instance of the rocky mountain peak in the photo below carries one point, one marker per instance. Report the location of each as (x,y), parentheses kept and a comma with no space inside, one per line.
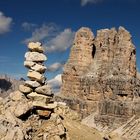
(100,77)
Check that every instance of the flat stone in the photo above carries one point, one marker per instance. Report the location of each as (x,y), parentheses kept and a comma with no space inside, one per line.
(35,57)
(48,106)
(29,64)
(33,75)
(35,66)
(44,90)
(39,97)
(35,46)
(32,84)
(25,89)
(39,68)
(44,113)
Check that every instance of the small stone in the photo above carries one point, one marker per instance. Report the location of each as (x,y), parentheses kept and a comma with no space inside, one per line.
(44,113)
(25,89)
(33,75)
(29,64)
(44,90)
(32,84)
(35,47)
(35,57)
(39,68)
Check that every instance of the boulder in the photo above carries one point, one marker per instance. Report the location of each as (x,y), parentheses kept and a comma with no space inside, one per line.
(22,108)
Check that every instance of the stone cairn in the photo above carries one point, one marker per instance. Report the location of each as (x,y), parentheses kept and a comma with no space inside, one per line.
(40,95)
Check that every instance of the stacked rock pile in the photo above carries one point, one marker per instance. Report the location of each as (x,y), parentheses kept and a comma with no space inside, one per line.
(36,89)
(40,95)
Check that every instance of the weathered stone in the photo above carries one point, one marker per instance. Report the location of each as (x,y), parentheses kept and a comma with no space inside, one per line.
(45,106)
(44,113)
(35,57)
(39,68)
(39,97)
(25,89)
(29,64)
(22,108)
(44,90)
(33,75)
(35,46)
(34,66)
(32,84)
(16,96)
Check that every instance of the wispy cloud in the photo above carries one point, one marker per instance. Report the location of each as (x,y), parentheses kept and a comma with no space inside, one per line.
(43,33)
(52,38)
(55,67)
(28,26)
(5,23)
(61,42)
(85,2)
(55,83)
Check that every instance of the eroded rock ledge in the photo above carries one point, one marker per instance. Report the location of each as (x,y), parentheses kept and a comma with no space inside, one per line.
(100,77)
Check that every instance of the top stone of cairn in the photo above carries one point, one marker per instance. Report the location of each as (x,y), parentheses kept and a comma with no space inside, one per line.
(35,47)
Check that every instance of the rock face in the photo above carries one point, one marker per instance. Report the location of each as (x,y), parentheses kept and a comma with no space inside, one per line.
(8,85)
(100,77)
(29,114)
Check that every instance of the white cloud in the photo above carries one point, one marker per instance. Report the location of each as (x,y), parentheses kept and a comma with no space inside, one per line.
(56,83)
(41,34)
(52,38)
(28,26)
(84,2)
(55,66)
(61,42)
(5,23)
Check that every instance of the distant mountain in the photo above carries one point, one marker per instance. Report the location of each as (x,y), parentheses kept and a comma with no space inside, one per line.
(8,84)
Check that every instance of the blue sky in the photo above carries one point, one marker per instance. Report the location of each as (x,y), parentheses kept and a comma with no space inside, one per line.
(54,23)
